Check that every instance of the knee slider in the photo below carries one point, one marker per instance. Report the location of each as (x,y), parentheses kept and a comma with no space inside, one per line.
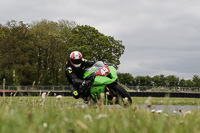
(75,94)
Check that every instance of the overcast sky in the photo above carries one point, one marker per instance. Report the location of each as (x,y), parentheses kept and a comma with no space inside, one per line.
(160,36)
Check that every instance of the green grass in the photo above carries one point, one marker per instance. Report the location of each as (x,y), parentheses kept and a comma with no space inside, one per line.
(27,115)
(166,101)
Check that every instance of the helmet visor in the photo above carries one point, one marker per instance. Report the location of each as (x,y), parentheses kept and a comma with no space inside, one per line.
(76,61)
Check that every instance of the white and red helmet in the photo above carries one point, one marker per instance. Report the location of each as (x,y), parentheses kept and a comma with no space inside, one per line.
(76,59)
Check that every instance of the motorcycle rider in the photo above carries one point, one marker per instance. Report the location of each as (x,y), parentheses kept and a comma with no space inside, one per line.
(75,68)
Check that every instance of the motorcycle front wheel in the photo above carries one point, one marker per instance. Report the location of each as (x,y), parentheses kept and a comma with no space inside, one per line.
(120,93)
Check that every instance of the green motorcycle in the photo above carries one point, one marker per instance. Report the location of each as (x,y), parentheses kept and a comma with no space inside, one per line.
(104,80)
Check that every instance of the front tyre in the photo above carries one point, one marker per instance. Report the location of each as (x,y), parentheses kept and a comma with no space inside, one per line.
(120,93)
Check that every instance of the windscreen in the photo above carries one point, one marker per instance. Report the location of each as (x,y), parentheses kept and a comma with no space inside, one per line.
(99,68)
(96,67)
(99,64)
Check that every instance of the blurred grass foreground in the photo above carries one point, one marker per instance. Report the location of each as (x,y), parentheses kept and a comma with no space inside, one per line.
(67,115)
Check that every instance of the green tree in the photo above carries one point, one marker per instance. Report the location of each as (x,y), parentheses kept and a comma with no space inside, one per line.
(126,79)
(143,80)
(47,41)
(182,82)
(17,53)
(51,43)
(95,45)
(189,83)
(196,80)
(159,80)
(65,27)
(172,80)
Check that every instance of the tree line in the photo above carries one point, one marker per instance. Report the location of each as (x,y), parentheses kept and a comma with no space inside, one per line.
(37,52)
(158,80)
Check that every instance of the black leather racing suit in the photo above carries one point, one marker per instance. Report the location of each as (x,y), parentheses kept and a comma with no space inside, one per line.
(75,76)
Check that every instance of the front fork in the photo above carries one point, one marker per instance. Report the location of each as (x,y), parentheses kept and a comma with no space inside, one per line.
(103,92)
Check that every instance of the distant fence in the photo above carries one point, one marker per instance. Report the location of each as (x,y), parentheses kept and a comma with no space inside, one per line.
(164,89)
(132,94)
(134,91)
(132,88)
(36,88)
(165,94)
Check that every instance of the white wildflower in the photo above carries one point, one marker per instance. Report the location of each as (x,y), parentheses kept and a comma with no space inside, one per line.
(166,115)
(126,99)
(88,116)
(159,111)
(58,96)
(45,125)
(102,116)
(188,112)
(174,112)
(43,95)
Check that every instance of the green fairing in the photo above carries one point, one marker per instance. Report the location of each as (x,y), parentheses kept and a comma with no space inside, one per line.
(97,90)
(89,72)
(100,82)
(104,80)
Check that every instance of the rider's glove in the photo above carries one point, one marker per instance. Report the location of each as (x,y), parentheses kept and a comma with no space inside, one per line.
(85,83)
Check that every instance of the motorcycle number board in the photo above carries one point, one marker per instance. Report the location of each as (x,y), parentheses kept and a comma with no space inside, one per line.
(103,71)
